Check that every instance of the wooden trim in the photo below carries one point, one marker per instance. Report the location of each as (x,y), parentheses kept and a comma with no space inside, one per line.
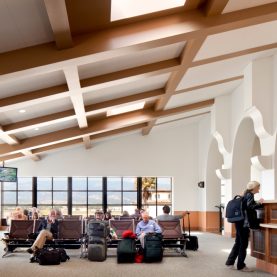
(57,14)
(135,37)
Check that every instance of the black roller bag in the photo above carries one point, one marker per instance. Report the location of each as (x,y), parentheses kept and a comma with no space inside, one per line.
(153,249)
(192,241)
(126,250)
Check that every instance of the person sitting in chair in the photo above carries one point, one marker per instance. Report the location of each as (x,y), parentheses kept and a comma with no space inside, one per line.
(166,215)
(146,226)
(48,229)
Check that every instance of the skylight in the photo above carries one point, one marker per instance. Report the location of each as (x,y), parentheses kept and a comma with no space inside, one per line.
(129,8)
(125,109)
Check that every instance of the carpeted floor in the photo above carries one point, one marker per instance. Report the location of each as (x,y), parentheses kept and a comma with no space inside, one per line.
(207,261)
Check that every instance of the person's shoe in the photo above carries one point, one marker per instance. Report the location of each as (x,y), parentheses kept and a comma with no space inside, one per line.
(246,269)
(231,266)
(30,251)
(32,259)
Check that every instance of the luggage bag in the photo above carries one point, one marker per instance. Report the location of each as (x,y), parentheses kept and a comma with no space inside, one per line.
(126,251)
(153,250)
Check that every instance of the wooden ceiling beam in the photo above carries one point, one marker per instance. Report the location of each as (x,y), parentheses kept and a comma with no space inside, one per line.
(143,70)
(191,49)
(76,96)
(215,7)
(136,36)
(98,126)
(87,142)
(31,98)
(76,141)
(42,121)
(57,14)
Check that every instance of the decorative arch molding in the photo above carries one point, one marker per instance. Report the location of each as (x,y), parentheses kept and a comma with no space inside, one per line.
(221,147)
(223,174)
(258,122)
(262,162)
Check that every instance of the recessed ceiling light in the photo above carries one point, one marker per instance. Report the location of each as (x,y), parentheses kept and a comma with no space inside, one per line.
(36,129)
(22,111)
(125,109)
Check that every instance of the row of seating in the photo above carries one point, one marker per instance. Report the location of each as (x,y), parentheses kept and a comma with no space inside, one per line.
(72,233)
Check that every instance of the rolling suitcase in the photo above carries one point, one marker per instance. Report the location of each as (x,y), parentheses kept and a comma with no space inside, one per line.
(153,249)
(126,251)
(192,243)
(97,252)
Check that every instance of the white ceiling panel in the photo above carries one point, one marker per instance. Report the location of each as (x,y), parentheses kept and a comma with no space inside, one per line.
(14,86)
(184,116)
(126,89)
(132,60)
(23,23)
(233,41)
(235,5)
(199,95)
(220,70)
(47,129)
(36,111)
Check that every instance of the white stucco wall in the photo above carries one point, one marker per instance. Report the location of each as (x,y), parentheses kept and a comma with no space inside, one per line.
(170,150)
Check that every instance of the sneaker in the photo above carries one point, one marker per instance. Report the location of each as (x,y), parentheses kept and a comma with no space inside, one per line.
(30,251)
(246,269)
(231,266)
(32,259)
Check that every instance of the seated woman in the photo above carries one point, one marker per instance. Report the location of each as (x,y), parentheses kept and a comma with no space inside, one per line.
(48,229)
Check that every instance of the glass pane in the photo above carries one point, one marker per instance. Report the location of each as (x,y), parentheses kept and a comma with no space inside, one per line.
(113,183)
(129,209)
(59,183)
(79,197)
(44,210)
(79,210)
(129,183)
(9,186)
(114,197)
(92,209)
(62,209)
(95,183)
(7,210)
(130,198)
(94,197)
(24,197)
(164,198)
(115,210)
(79,183)
(25,183)
(160,210)
(149,183)
(59,197)
(164,183)
(44,183)
(9,197)
(44,197)
(151,210)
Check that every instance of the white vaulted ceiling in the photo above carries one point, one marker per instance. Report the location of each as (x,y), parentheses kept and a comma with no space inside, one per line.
(65,63)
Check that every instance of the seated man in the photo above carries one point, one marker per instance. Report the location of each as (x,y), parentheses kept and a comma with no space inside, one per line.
(99,215)
(146,226)
(166,215)
(47,230)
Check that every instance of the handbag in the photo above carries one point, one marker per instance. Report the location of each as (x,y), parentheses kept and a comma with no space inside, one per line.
(46,256)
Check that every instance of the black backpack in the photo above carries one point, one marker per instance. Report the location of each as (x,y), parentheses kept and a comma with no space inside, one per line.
(235,210)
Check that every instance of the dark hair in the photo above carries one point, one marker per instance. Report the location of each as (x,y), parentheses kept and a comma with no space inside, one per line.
(166,209)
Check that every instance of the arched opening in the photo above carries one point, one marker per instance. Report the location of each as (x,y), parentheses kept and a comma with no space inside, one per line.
(246,145)
(213,188)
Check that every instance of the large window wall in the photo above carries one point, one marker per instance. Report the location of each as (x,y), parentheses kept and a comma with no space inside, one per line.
(84,195)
